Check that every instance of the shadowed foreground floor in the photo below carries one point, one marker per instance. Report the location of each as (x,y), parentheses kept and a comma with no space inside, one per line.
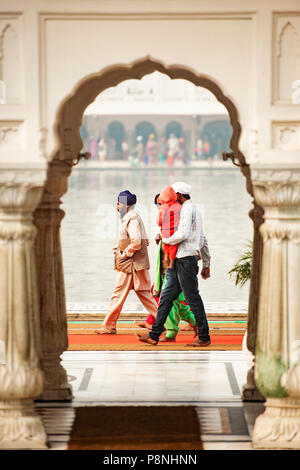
(136,427)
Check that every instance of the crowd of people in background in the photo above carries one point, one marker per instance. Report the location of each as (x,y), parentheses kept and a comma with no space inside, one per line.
(202,150)
(147,151)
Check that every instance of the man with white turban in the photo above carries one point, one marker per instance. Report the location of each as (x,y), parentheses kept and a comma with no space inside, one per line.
(183,277)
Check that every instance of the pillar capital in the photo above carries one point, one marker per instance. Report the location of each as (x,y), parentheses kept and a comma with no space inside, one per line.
(276,188)
(277,366)
(20,188)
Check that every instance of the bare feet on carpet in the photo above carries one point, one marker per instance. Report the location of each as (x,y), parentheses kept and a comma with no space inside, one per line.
(144,324)
(146,339)
(104,331)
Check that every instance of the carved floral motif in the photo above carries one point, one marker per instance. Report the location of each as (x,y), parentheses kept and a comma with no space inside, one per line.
(279,426)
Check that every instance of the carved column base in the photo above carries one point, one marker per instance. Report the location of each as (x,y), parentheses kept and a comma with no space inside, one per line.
(20,426)
(279,426)
(56,386)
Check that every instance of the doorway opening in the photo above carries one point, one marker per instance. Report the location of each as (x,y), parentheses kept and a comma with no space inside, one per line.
(71,119)
(52,276)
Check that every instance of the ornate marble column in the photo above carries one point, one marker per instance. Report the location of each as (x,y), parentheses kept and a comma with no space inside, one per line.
(21,378)
(52,300)
(277,364)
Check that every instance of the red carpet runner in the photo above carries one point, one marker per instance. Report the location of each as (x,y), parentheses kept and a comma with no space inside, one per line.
(126,342)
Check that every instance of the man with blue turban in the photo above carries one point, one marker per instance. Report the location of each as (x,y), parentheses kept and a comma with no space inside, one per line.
(131,263)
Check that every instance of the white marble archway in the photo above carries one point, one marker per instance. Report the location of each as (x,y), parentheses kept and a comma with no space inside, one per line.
(48,215)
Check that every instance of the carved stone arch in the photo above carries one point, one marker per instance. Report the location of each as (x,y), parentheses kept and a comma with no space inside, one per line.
(49,214)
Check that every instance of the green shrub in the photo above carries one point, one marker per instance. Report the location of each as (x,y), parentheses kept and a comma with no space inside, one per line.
(241,271)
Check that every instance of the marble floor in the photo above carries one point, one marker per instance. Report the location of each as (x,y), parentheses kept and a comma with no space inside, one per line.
(211,381)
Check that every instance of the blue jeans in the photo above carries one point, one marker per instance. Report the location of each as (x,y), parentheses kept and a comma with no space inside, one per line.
(182,278)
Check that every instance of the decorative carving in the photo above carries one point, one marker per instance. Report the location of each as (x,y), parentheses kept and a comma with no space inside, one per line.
(20,189)
(279,425)
(30,176)
(286,56)
(279,231)
(281,194)
(23,380)
(6,28)
(276,187)
(270,173)
(286,135)
(10,135)
(4,131)
(288,26)
(10,70)
(20,427)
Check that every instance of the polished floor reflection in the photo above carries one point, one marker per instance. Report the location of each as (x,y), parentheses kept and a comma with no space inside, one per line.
(211,381)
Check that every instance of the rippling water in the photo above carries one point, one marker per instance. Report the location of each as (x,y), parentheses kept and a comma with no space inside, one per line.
(90,227)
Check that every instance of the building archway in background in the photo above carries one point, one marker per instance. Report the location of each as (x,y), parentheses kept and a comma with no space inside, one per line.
(218,134)
(144,129)
(115,135)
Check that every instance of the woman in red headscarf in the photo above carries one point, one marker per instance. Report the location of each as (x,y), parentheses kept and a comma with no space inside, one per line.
(168,220)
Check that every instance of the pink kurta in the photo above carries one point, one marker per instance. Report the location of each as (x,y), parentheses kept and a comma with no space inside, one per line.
(138,279)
